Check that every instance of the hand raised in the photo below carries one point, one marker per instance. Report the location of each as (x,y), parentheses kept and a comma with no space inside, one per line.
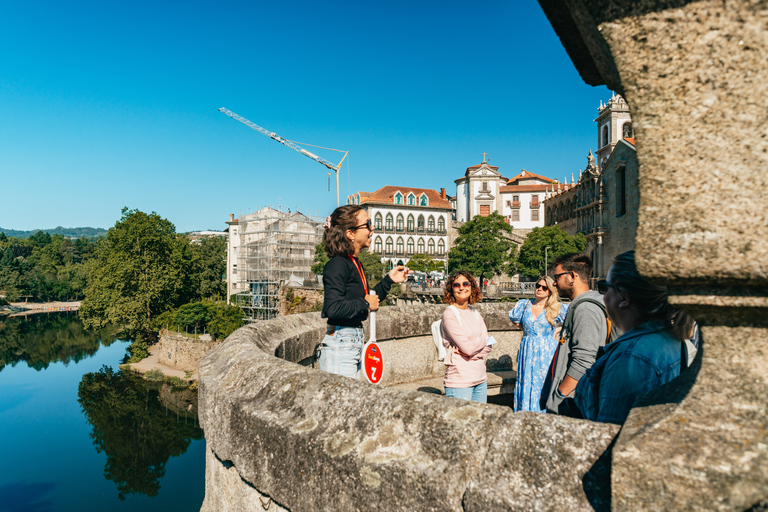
(399,274)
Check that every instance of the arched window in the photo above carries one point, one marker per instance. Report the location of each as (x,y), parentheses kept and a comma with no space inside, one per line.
(431,246)
(377,221)
(441,225)
(411,224)
(605,136)
(389,222)
(441,247)
(420,224)
(399,245)
(377,245)
(400,226)
(626,131)
(411,199)
(398,198)
(420,246)
(431,224)
(388,245)
(409,245)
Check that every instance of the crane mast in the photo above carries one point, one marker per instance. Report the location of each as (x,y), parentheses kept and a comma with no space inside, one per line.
(293,146)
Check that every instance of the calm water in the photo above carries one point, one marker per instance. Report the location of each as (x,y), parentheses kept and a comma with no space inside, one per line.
(77,435)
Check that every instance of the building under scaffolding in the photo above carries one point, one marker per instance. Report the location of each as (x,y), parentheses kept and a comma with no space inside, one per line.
(268,250)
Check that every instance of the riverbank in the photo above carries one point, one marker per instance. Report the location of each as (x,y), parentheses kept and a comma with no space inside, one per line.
(15,309)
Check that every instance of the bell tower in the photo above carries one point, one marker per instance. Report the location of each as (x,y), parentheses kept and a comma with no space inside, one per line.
(613,124)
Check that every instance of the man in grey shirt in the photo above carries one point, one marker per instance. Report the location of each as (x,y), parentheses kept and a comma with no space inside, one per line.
(585,330)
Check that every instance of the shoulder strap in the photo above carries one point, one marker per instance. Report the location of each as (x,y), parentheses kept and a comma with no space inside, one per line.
(568,322)
(456,312)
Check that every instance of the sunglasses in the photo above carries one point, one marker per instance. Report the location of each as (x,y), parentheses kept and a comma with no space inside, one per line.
(557,276)
(368,225)
(603,285)
(542,286)
(465,284)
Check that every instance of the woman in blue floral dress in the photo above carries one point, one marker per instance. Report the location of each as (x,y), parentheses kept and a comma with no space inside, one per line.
(541,320)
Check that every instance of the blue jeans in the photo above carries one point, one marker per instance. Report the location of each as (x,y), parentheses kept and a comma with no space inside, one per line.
(342,352)
(477,393)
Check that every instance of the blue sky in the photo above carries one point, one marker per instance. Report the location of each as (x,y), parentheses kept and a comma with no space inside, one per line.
(112,104)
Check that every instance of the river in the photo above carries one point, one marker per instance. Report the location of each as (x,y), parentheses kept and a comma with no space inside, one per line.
(79,435)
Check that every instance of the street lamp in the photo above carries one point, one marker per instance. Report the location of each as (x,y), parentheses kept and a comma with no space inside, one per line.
(545,260)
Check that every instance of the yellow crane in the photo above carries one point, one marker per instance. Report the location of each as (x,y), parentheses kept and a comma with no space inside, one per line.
(293,145)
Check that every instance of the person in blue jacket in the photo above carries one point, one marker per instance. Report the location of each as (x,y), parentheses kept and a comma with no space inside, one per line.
(348,230)
(646,356)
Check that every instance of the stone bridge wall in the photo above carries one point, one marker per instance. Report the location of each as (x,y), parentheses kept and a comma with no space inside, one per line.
(308,440)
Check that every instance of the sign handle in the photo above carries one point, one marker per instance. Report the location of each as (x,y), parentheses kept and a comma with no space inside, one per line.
(372,323)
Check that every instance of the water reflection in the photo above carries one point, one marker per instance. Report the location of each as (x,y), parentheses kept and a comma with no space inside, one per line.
(138,425)
(42,339)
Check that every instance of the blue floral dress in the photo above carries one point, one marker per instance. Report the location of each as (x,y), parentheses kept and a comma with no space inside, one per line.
(535,355)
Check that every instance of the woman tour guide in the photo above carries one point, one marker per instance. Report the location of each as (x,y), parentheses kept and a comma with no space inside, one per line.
(347,298)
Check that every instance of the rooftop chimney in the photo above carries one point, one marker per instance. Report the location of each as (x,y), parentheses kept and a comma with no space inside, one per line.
(231,217)
(442,193)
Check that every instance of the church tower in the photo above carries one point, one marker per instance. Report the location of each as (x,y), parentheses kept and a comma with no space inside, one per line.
(613,124)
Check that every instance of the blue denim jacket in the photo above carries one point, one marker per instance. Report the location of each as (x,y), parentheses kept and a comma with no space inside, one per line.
(639,361)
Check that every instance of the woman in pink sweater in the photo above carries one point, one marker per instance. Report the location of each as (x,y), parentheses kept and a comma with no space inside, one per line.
(465,337)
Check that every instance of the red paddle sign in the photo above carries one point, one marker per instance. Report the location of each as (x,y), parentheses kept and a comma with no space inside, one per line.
(373,362)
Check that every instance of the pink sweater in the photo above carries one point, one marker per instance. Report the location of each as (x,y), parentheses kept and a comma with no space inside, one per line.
(464,362)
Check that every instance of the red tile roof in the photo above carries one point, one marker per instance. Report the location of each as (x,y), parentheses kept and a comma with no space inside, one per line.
(479,166)
(631,140)
(386,195)
(527,174)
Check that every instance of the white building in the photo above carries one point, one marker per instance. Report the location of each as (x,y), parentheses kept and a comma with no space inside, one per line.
(407,221)
(484,190)
(614,123)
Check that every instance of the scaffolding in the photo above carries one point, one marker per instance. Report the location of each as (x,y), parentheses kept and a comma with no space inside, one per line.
(277,249)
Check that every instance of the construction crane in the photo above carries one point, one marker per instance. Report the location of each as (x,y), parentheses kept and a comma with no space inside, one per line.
(293,145)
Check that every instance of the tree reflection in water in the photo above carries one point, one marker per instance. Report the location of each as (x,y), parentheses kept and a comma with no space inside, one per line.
(134,429)
(42,339)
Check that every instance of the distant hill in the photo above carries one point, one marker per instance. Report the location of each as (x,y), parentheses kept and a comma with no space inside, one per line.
(67,232)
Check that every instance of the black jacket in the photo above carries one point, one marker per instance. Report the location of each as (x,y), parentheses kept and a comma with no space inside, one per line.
(344,303)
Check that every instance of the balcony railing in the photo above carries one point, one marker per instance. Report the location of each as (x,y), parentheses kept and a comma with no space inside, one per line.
(400,229)
(420,229)
(389,229)
(410,229)
(515,204)
(440,231)
(535,204)
(431,231)
(388,252)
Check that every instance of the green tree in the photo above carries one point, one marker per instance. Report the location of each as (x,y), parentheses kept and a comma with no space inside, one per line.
(226,321)
(423,263)
(321,258)
(212,264)
(142,268)
(482,247)
(530,261)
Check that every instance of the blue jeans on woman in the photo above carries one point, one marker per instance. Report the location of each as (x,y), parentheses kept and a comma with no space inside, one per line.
(342,352)
(477,393)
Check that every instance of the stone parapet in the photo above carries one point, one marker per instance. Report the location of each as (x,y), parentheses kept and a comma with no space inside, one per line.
(182,353)
(309,440)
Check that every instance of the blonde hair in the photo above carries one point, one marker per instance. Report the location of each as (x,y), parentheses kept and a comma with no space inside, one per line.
(552,306)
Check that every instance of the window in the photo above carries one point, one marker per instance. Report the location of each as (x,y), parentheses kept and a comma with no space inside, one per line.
(420,224)
(411,200)
(389,222)
(535,199)
(605,136)
(400,222)
(410,246)
(626,131)
(398,198)
(515,199)
(420,246)
(534,214)
(441,246)
(423,201)
(441,224)
(377,221)
(410,224)
(515,215)
(431,246)
(485,210)
(399,245)
(431,223)
(389,245)
(377,245)
(621,191)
